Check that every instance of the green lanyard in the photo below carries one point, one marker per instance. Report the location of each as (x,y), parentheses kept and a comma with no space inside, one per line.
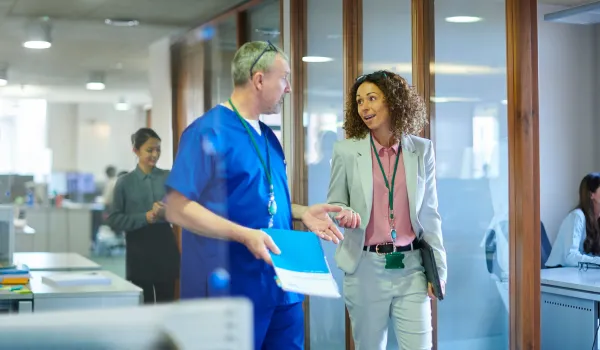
(272,207)
(387,184)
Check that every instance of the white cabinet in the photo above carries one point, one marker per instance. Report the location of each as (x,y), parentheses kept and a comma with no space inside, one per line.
(57,230)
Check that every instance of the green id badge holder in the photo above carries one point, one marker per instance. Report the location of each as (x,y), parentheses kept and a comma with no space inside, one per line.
(394,261)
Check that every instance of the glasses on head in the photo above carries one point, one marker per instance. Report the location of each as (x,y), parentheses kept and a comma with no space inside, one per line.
(371,76)
(270,47)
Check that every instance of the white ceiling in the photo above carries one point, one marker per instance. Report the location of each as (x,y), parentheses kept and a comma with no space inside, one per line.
(83,43)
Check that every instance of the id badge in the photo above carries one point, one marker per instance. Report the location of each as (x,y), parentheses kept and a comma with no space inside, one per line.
(394,261)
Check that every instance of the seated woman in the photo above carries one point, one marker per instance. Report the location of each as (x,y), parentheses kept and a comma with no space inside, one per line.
(578,239)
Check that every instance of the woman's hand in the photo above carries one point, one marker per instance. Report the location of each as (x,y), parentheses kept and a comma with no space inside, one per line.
(159,210)
(348,219)
(430,289)
(150,216)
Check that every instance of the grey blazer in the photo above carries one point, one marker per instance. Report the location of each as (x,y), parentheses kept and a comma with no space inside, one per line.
(351,186)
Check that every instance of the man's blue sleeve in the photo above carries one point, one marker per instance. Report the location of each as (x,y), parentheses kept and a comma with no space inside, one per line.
(194,165)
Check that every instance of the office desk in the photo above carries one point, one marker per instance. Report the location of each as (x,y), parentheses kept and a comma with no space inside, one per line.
(569,309)
(47,297)
(55,262)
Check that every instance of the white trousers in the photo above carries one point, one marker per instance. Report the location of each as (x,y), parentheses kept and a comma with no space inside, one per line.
(374,294)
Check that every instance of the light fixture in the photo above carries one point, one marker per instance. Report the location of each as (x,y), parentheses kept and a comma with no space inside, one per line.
(38,35)
(3,77)
(96,81)
(438,68)
(122,105)
(453,99)
(463,19)
(122,22)
(316,59)
(268,32)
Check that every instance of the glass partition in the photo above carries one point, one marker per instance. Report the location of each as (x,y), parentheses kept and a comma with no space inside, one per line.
(322,126)
(264,24)
(472,171)
(387,37)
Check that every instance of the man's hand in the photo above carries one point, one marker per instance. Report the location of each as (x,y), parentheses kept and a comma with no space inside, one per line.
(317,220)
(259,243)
(348,219)
(430,289)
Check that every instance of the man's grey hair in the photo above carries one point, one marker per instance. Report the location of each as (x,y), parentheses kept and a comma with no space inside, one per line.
(247,55)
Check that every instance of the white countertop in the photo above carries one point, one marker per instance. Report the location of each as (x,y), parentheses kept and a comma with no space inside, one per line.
(43,290)
(54,261)
(572,278)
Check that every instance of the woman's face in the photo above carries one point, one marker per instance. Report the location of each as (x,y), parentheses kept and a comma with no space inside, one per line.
(596,196)
(371,106)
(149,153)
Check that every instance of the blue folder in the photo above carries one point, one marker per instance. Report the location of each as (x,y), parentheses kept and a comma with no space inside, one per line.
(14,270)
(300,251)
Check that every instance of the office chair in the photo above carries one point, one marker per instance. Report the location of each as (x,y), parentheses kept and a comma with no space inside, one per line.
(546,247)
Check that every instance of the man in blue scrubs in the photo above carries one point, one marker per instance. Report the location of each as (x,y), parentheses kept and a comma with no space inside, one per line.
(229,181)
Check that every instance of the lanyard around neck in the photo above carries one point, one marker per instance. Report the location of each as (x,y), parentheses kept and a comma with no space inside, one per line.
(387,184)
(266,165)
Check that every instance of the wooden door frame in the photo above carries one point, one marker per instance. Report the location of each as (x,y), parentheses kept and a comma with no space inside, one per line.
(524,174)
(353,67)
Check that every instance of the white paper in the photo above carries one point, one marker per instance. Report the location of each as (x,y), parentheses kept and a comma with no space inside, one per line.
(76,279)
(308,283)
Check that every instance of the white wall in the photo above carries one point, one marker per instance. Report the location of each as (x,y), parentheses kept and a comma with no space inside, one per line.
(62,135)
(568,72)
(89,137)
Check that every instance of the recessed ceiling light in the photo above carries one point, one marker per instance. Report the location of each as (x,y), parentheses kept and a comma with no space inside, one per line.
(453,99)
(270,32)
(463,19)
(37,44)
(122,106)
(97,86)
(316,59)
(122,22)
(3,82)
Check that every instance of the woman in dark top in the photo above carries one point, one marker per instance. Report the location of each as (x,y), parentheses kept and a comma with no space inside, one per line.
(152,254)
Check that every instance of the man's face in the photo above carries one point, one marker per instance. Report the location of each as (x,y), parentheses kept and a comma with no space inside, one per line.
(275,86)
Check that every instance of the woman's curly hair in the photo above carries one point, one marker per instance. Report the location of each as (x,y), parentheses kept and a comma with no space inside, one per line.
(406,107)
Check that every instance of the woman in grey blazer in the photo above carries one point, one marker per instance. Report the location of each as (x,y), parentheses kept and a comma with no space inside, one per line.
(384,179)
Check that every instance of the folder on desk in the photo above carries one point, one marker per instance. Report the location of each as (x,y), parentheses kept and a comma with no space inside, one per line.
(302,267)
(14,279)
(14,270)
(14,275)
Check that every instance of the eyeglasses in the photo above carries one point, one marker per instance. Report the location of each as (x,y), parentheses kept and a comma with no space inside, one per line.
(371,76)
(270,47)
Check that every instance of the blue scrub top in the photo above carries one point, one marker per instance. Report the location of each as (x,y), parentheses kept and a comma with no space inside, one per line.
(217,166)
